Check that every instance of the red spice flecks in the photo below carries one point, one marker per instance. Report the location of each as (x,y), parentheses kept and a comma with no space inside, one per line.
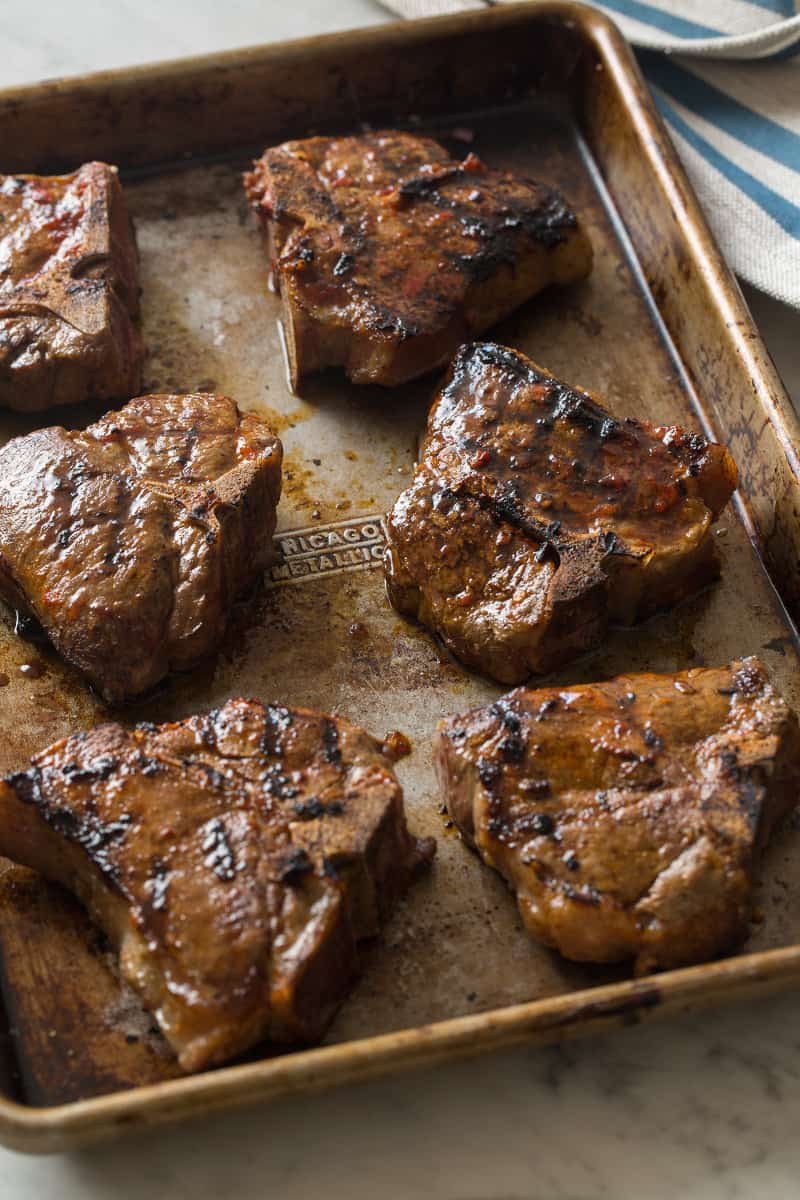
(396,745)
(473,164)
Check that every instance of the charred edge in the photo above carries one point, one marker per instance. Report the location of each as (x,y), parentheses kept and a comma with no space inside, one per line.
(567,403)
(92,835)
(421,185)
(499,237)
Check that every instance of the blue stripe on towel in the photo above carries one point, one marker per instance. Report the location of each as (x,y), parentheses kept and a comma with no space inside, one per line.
(784,8)
(667,22)
(734,118)
(786,214)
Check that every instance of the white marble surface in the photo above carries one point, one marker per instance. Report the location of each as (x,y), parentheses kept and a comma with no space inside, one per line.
(704,1106)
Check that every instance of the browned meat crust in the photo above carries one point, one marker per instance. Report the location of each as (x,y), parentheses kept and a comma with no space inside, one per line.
(627,816)
(389,253)
(535,517)
(234,859)
(128,541)
(69,290)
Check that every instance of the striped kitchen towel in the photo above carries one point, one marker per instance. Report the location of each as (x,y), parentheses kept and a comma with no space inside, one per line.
(725,75)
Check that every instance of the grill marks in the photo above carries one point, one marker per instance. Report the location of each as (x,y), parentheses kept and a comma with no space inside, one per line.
(646,799)
(235,859)
(130,540)
(535,517)
(388,253)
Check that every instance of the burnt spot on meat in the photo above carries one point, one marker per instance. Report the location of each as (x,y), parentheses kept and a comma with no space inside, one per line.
(504,710)
(547,552)
(330,868)
(98,838)
(214,777)
(512,749)
(730,763)
(587,895)
(538,787)
(334,863)
(344,264)
(746,680)
(547,706)
(295,866)
(489,773)
(277,783)
(330,742)
(652,739)
(571,861)
(101,768)
(26,626)
(313,808)
(277,721)
(541,823)
(216,847)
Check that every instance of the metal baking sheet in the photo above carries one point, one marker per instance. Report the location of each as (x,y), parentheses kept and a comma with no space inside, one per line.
(454,971)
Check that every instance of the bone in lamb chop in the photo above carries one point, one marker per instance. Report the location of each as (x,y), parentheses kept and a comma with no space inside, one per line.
(388,253)
(69,290)
(628,816)
(234,859)
(535,517)
(128,541)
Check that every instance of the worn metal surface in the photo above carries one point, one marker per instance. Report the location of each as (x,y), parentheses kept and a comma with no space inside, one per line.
(321,631)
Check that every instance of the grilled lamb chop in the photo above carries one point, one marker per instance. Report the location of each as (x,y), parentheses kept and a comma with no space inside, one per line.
(234,860)
(627,816)
(388,253)
(535,517)
(69,290)
(129,540)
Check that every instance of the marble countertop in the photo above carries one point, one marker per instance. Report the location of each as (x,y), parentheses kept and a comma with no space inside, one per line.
(701,1106)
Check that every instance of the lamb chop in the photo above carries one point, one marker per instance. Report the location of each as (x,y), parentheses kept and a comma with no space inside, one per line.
(128,541)
(535,517)
(234,860)
(627,816)
(388,253)
(69,290)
